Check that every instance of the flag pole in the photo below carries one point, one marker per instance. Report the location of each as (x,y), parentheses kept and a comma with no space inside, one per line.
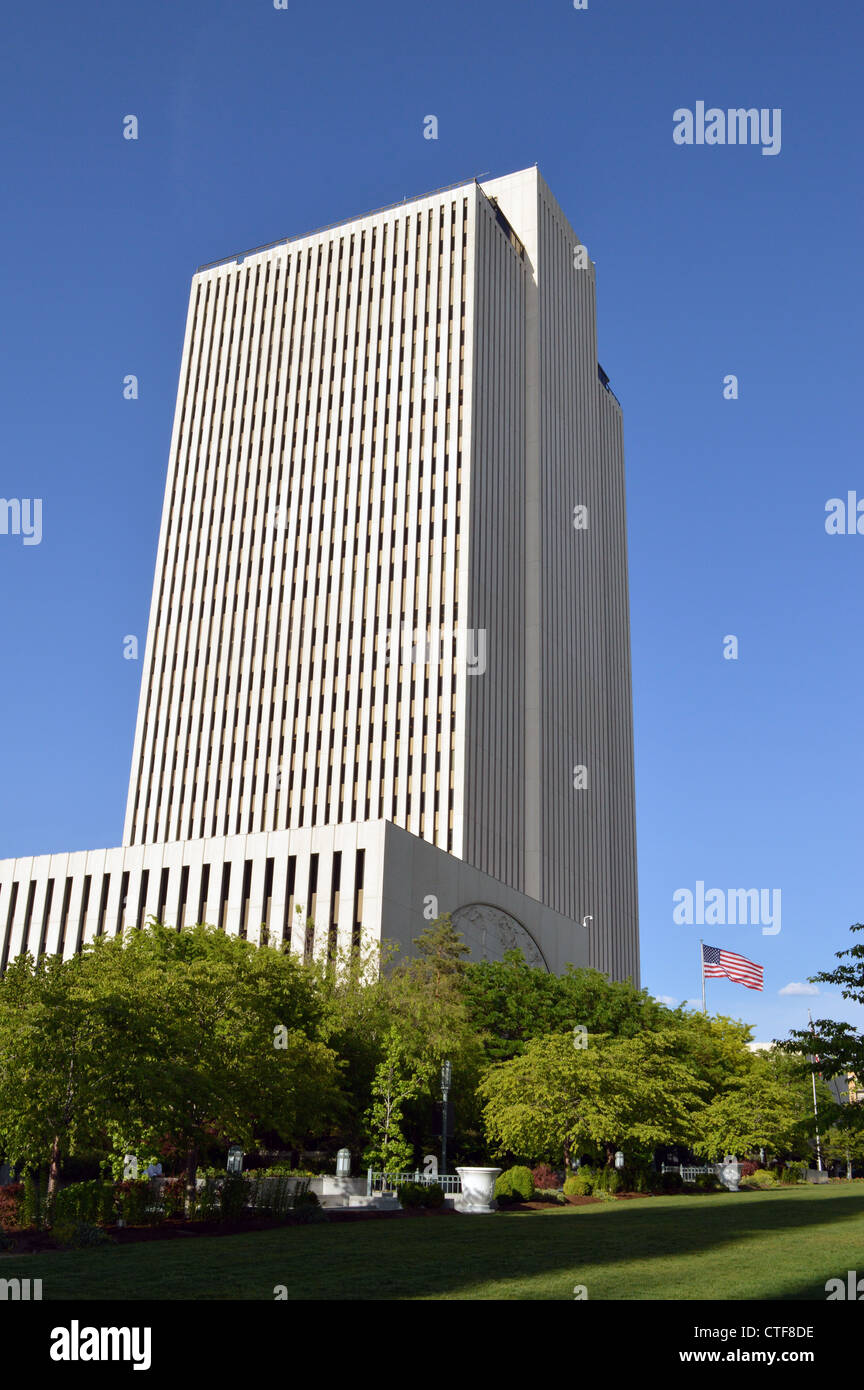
(815,1110)
(702,969)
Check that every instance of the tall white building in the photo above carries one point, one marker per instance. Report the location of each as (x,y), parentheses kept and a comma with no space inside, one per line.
(387,669)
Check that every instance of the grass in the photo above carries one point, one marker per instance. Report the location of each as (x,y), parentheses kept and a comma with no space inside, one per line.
(771,1245)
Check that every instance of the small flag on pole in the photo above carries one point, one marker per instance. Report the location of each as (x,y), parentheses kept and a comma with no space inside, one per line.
(717,962)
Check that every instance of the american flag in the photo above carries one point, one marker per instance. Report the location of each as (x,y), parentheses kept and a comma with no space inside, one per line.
(717,962)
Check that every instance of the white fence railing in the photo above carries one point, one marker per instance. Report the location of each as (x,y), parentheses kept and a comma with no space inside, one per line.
(388,1182)
(689,1173)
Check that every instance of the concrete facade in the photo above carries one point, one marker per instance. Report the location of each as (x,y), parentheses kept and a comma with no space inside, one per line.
(366,880)
(378,646)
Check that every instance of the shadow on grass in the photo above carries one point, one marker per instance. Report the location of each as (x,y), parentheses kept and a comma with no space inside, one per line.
(749,1245)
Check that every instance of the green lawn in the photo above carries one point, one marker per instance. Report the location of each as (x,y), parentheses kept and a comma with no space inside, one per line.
(774,1245)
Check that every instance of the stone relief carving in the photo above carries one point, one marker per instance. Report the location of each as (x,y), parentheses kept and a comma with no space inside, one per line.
(490,931)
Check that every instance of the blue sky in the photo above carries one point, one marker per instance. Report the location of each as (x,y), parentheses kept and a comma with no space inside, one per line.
(257,123)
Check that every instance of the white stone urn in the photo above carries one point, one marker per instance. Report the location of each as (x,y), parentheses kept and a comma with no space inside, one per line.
(729,1172)
(478,1190)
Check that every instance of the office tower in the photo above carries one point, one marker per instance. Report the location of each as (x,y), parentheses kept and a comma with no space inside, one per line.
(387,667)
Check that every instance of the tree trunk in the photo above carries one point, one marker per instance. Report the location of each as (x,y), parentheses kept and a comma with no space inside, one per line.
(53,1175)
(610,1155)
(54,1166)
(191,1180)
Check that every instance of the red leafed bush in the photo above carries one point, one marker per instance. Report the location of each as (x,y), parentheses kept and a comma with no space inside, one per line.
(747,1168)
(174,1196)
(10,1203)
(544,1176)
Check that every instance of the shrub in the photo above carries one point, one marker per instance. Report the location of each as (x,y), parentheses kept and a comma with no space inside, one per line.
(506,1199)
(33,1203)
(284,1170)
(670,1182)
(517,1183)
(80,1235)
(207,1200)
(747,1168)
(275,1195)
(10,1205)
(233,1197)
(762,1178)
(707,1182)
(635,1177)
(607,1179)
(89,1202)
(544,1177)
(173,1196)
(794,1172)
(309,1212)
(409,1194)
(579,1184)
(419,1195)
(137,1204)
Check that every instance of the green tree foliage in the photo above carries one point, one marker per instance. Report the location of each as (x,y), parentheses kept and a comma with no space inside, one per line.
(66,1041)
(716,1047)
(396,1081)
(160,1038)
(767,1106)
(617,1093)
(428,1012)
(355,1023)
(842,1145)
(511,1002)
(393,1023)
(169,1042)
(839,1048)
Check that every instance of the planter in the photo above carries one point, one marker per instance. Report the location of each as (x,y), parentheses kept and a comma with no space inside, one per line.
(328,1186)
(478,1190)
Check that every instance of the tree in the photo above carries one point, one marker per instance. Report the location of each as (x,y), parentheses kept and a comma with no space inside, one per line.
(427,1005)
(396,1081)
(715,1046)
(837,1046)
(617,1093)
(235,1051)
(841,1145)
(511,1002)
(356,1018)
(768,1106)
(66,1040)
(160,1038)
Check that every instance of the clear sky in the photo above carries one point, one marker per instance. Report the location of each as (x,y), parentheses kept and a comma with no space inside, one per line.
(257,123)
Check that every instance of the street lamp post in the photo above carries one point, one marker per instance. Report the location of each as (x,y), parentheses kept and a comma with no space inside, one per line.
(446,1076)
